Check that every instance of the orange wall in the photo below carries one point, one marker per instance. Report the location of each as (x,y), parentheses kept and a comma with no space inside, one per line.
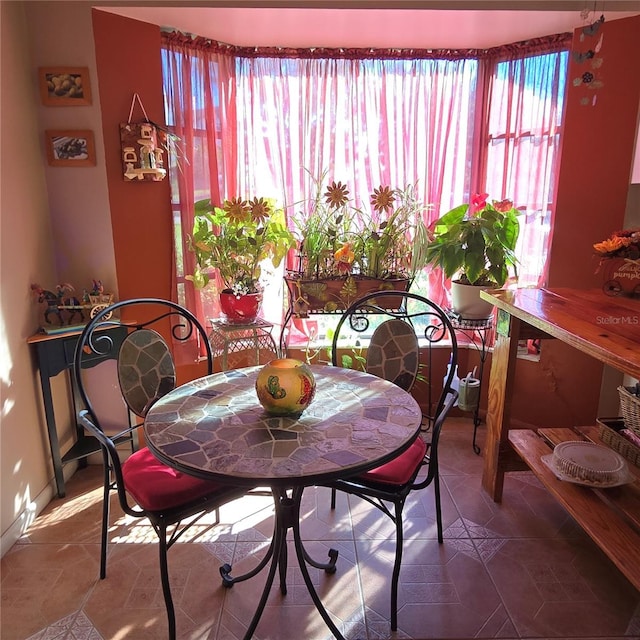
(597,155)
(128,60)
(563,389)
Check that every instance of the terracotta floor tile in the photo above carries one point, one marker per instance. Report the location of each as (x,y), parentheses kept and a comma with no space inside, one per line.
(521,569)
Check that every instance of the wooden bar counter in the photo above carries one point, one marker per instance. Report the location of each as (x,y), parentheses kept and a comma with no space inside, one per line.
(605,328)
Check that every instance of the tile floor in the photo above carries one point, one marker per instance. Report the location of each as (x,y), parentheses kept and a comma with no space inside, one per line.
(519,569)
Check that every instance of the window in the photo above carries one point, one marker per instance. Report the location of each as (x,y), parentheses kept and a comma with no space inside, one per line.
(252,123)
(522,144)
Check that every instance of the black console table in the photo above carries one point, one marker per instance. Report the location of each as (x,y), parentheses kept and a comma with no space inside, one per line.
(55,354)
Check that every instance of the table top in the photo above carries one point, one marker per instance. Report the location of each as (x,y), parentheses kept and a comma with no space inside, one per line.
(215,428)
(605,327)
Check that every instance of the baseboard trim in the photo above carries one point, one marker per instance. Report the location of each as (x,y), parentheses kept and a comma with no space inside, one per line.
(31,511)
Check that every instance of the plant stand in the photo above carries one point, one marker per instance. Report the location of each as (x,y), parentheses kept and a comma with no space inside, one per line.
(332,295)
(478,332)
(229,339)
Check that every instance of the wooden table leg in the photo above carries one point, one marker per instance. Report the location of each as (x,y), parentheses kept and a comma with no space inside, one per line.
(501,383)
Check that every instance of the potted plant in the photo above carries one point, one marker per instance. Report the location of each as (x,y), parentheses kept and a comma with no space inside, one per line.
(235,239)
(345,252)
(475,245)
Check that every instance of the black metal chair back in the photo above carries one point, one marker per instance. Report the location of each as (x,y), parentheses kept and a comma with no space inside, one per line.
(146,372)
(411,342)
(407,337)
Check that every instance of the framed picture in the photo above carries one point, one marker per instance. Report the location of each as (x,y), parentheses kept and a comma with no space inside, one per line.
(65,86)
(70,148)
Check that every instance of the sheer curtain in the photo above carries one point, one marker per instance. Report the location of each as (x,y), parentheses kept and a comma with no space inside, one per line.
(368,122)
(267,122)
(522,133)
(365,123)
(200,105)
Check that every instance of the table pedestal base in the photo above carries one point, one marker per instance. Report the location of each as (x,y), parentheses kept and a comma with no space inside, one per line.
(287,516)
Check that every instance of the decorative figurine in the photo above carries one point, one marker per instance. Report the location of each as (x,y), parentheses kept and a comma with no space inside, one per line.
(143,145)
(58,302)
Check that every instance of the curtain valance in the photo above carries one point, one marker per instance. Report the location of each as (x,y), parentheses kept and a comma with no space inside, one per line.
(534,46)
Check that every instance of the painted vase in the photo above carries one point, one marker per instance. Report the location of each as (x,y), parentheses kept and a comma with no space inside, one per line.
(285,387)
(241,309)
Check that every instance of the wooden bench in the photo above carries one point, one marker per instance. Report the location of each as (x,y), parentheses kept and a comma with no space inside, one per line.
(611,517)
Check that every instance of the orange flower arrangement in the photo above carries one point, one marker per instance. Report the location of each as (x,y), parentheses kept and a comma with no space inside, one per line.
(621,244)
(337,237)
(344,257)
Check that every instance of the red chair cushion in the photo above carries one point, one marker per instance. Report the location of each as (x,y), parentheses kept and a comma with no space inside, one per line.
(156,487)
(401,469)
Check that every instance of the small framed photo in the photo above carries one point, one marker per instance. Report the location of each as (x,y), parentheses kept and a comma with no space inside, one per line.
(70,148)
(65,86)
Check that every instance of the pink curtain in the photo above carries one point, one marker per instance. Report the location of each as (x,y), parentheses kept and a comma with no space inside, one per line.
(199,101)
(522,131)
(266,122)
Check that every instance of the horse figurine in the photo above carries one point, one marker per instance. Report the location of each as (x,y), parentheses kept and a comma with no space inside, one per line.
(52,301)
(56,302)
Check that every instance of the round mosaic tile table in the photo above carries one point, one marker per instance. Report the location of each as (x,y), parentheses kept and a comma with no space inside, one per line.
(215,428)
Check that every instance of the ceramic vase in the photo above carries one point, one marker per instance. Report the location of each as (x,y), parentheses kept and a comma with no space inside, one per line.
(285,387)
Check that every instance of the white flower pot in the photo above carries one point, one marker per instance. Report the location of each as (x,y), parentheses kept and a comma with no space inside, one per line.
(466,301)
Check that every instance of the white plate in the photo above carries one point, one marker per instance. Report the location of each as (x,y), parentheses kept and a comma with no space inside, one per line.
(588,456)
(623,477)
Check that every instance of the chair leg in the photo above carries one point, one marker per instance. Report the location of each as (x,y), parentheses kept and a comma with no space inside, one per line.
(395,578)
(333,498)
(104,535)
(164,578)
(436,482)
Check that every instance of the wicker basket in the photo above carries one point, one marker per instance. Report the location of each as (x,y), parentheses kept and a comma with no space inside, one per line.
(630,408)
(609,434)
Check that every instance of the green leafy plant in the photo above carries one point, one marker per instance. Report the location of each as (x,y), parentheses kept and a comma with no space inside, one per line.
(476,242)
(235,239)
(336,238)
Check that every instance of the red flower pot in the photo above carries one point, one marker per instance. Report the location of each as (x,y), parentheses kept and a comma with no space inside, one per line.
(242,309)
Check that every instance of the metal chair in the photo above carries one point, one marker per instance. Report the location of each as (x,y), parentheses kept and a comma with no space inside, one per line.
(146,372)
(407,326)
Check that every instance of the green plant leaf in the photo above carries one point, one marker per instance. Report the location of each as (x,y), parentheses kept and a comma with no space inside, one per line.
(236,248)
(382,242)
(481,247)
